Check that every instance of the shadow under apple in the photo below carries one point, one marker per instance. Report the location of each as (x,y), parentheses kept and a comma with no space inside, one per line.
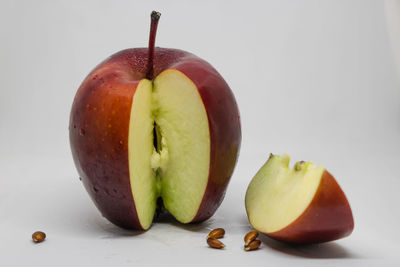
(329,250)
(200,227)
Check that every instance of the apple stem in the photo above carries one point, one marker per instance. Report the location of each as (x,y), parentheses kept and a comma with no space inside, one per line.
(155,16)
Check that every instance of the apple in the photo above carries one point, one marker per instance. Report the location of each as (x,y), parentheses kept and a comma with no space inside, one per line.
(155,129)
(302,205)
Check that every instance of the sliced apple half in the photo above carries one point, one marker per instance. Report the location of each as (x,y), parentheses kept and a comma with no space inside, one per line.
(300,205)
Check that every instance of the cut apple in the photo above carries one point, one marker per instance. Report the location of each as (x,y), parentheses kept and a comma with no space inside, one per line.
(155,129)
(300,205)
(176,169)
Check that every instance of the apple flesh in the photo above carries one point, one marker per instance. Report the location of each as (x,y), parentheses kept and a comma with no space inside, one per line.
(177,168)
(152,127)
(302,205)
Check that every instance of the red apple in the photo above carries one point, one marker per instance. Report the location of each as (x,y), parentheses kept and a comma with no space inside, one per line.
(155,126)
(301,205)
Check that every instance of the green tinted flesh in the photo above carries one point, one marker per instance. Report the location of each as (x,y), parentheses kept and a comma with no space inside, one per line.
(171,162)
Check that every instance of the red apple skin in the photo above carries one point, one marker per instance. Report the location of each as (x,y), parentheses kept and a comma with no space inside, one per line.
(327,218)
(99,124)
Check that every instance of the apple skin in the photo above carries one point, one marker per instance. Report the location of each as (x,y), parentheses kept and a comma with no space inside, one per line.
(99,124)
(327,218)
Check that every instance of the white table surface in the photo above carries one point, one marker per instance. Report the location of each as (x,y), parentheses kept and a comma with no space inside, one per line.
(313,79)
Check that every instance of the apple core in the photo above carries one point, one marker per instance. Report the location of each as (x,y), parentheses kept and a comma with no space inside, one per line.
(169,147)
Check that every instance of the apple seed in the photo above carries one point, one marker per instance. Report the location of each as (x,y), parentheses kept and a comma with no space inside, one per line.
(249,237)
(253,245)
(38,236)
(216,233)
(215,243)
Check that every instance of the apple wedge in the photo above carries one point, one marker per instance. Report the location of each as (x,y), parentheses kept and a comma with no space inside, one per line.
(302,205)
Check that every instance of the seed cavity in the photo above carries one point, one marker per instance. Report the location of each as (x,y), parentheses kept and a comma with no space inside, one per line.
(215,243)
(216,233)
(299,165)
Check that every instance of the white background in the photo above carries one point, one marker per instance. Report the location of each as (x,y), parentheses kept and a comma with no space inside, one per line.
(315,79)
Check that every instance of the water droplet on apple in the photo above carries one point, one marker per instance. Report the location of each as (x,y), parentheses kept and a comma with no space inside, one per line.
(107,191)
(95,189)
(82,132)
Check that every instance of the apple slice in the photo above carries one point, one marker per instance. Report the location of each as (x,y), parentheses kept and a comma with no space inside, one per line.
(300,205)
